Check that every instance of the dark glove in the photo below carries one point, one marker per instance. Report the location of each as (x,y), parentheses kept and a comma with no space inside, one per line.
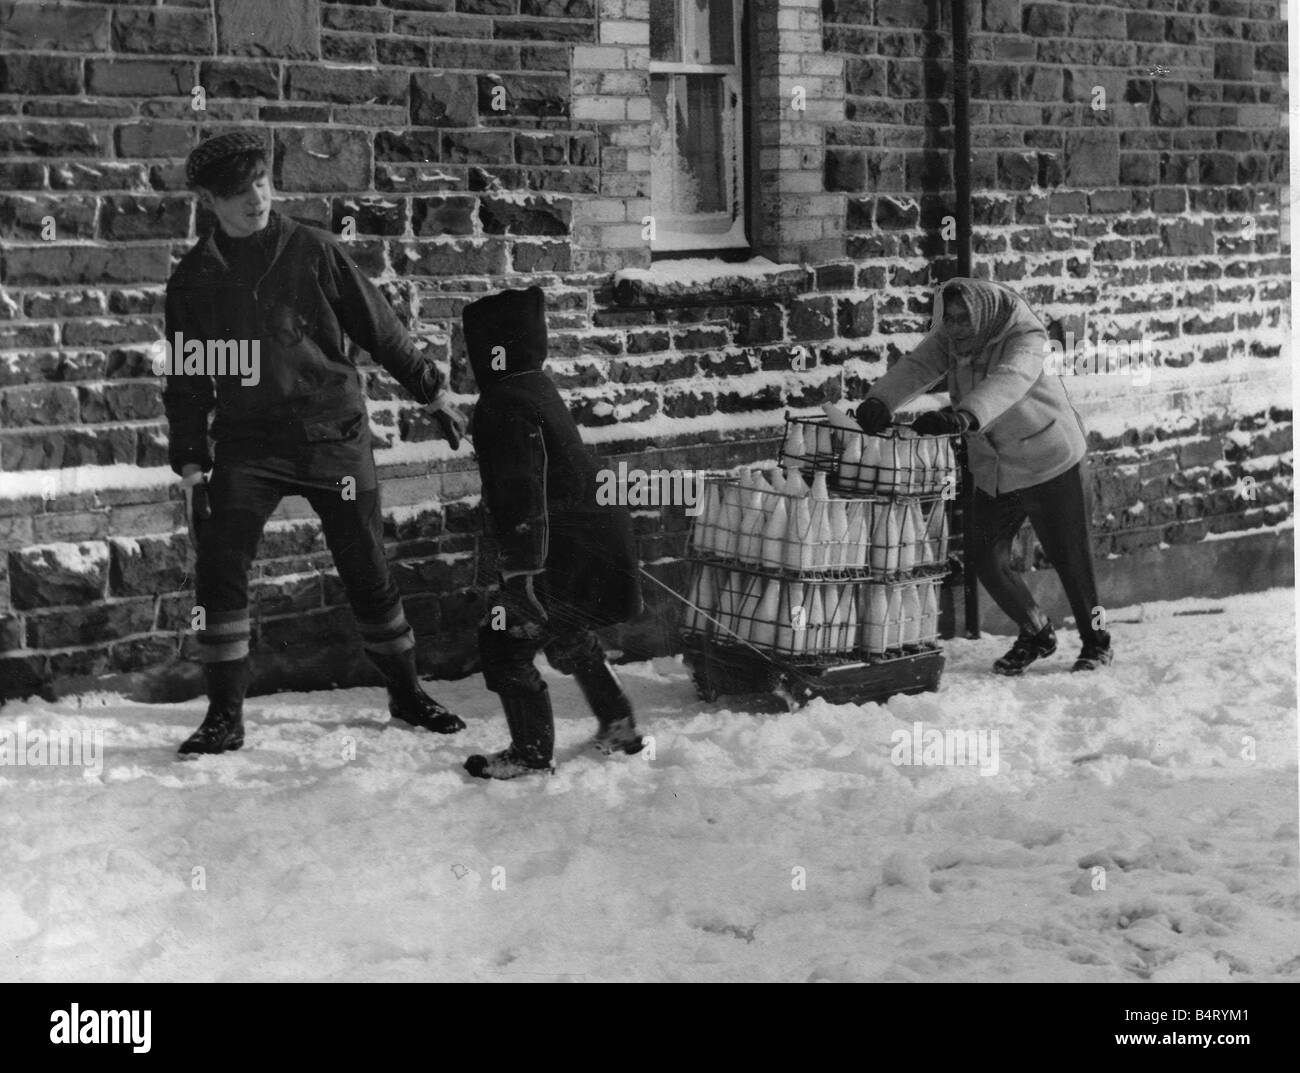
(198,508)
(521,602)
(449,421)
(945,422)
(874,417)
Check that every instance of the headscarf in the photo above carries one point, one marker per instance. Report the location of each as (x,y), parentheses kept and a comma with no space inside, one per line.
(991,309)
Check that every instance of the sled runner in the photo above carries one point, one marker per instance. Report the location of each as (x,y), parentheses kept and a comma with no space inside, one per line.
(761,684)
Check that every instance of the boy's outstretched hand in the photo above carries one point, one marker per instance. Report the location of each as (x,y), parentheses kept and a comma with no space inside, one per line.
(198,507)
(449,420)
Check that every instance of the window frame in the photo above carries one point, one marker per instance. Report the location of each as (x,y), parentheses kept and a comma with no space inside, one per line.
(737,78)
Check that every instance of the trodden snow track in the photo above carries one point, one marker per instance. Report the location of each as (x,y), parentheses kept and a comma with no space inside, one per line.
(1141,826)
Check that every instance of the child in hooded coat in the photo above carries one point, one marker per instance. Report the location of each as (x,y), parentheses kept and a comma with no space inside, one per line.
(567,563)
(1026,449)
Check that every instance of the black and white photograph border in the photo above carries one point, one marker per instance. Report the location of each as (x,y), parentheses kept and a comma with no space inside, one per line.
(866,425)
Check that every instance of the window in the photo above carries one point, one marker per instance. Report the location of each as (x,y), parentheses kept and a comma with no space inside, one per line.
(697,173)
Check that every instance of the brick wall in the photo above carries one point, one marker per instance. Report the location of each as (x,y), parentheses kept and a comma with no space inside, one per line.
(479,144)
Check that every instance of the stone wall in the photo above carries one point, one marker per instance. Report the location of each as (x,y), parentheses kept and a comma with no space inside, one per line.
(1130,162)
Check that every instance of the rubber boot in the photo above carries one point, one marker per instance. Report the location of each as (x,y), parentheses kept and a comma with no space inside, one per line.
(532,739)
(407,699)
(222,729)
(611,706)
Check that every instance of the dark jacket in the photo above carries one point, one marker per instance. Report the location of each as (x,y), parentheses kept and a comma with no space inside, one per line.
(539,480)
(308,303)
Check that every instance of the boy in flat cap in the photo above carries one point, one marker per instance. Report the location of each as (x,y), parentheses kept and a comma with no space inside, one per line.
(568,562)
(261,286)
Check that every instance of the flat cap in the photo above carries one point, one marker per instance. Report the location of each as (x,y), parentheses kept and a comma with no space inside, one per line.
(219,148)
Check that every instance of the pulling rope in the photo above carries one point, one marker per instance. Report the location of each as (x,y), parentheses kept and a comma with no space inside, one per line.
(783,668)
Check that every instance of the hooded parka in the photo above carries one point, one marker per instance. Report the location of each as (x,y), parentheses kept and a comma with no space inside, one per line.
(539,480)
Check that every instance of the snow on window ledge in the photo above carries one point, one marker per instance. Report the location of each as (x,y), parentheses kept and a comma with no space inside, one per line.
(707,279)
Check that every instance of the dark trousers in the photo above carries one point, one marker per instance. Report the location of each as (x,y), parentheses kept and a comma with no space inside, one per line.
(243,497)
(507,654)
(1059,511)
(571,646)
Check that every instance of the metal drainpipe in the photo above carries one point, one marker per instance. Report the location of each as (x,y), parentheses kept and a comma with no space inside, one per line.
(961,177)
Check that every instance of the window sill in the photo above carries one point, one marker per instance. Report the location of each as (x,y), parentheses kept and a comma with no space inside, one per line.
(730,254)
(704,281)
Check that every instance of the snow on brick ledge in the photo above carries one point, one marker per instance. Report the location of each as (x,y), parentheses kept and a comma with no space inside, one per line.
(705,280)
(72,480)
(53,575)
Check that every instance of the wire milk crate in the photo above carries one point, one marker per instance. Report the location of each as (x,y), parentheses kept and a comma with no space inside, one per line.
(853,539)
(897,462)
(812,620)
(747,631)
(825,579)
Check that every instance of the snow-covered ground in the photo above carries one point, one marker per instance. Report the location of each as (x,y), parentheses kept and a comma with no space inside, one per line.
(1142,825)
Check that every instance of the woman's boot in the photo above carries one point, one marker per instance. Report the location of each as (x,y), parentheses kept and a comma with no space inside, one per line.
(1030,645)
